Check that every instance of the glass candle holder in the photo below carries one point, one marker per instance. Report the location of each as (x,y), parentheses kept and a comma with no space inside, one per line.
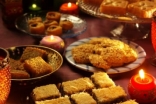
(5,76)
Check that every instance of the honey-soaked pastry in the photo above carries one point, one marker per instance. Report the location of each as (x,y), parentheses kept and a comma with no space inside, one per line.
(54,30)
(60,100)
(102,80)
(104,53)
(81,53)
(37,28)
(66,25)
(142,9)
(48,23)
(31,52)
(37,67)
(111,95)
(19,74)
(34,19)
(45,92)
(98,61)
(82,98)
(77,85)
(128,102)
(53,16)
(115,7)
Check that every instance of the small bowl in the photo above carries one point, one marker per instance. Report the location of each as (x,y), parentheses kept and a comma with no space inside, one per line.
(54,59)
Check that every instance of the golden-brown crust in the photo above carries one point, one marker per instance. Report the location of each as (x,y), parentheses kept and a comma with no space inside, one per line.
(102,80)
(37,28)
(45,92)
(31,52)
(78,85)
(117,7)
(37,67)
(48,23)
(142,9)
(53,16)
(82,98)
(34,19)
(54,30)
(66,25)
(109,95)
(104,53)
(60,100)
(19,74)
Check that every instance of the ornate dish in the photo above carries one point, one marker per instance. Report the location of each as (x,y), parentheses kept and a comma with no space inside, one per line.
(94,11)
(54,59)
(79,24)
(128,67)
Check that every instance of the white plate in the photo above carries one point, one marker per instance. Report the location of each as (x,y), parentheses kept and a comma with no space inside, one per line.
(128,67)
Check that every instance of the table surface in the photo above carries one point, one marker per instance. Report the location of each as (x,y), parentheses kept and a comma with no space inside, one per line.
(95,27)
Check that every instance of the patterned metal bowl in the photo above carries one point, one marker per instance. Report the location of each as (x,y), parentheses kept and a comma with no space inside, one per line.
(54,59)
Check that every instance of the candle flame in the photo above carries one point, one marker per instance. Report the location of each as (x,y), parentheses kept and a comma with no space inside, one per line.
(141,74)
(34,5)
(51,37)
(69,4)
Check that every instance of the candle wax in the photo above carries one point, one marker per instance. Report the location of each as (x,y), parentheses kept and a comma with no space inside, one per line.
(143,84)
(72,9)
(54,42)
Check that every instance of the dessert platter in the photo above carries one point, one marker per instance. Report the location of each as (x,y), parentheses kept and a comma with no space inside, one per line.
(22,61)
(91,8)
(79,25)
(121,68)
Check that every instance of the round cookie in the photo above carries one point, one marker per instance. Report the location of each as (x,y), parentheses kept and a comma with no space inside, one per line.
(37,28)
(53,16)
(66,25)
(34,19)
(54,30)
(48,23)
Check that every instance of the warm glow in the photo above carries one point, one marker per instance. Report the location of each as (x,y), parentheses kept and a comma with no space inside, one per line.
(141,74)
(34,5)
(76,3)
(51,37)
(69,4)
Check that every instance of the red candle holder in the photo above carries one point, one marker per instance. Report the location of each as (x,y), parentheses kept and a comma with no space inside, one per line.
(69,8)
(142,90)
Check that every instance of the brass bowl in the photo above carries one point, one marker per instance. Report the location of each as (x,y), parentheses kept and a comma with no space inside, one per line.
(54,59)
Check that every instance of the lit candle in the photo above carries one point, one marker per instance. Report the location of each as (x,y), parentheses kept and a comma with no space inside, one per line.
(54,42)
(34,7)
(69,8)
(142,87)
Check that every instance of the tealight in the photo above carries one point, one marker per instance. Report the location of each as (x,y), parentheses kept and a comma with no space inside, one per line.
(142,87)
(69,8)
(54,42)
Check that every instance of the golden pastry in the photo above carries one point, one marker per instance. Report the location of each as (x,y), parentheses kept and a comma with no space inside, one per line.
(37,28)
(54,30)
(34,19)
(48,23)
(53,16)
(66,25)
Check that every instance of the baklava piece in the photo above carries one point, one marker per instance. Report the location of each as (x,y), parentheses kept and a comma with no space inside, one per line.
(31,52)
(129,102)
(77,85)
(45,92)
(60,100)
(109,95)
(37,67)
(82,98)
(102,80)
